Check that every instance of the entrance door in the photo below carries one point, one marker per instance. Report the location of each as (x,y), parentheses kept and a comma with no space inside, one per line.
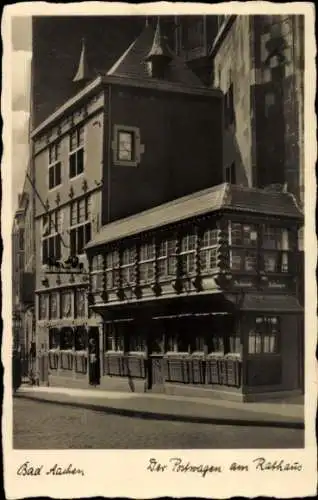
(93,356)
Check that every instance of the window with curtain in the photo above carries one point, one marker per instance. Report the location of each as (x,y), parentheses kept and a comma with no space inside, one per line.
(243,246)
(264,337)
(275,249)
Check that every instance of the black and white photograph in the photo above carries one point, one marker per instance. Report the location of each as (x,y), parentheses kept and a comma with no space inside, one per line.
(160,306)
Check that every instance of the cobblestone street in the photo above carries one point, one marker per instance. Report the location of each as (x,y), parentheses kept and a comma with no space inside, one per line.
(41,425)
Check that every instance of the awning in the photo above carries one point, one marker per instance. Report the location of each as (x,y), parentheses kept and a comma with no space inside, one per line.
(271,303)
(190,315)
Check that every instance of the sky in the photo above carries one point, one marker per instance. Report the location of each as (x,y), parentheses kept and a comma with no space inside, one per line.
(21,83)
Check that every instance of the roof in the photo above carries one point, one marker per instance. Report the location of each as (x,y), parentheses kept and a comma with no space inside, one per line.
(221,197)
(133,64)
(271,303)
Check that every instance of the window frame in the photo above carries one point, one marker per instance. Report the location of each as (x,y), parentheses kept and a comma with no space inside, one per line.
(281,254)
(147,262)
(130,266)
(187,254)
(243,247)
(74,151)
(112,269)
(169,258)
(265,332)
(84,225)
(54,165)
(52,235)
(207,249)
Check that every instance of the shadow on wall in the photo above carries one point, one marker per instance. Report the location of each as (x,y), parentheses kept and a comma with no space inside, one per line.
(234,169)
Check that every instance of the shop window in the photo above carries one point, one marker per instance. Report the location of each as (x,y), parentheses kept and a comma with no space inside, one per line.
(80,339)
(147,263)
(80,231)
(112,270)
(55,178)
(234,344)
(177,342)
(264,337)
(167,259)
(136,343)
(197,343)
(208,251)
(76,155)
(66,339)
(128,267)
(275,246)
(97,271)
(54,305)
(66,304)
(187,254)
(80,302)
(54,338)
(114,338)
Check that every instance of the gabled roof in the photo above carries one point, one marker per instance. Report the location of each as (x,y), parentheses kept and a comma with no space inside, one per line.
(133,64)
(221,197)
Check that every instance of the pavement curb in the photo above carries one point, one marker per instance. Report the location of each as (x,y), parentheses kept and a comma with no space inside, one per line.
(148,415)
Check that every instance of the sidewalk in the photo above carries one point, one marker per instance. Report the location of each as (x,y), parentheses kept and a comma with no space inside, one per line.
(181,408)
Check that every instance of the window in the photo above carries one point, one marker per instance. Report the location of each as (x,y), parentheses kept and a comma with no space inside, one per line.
(80,339)
(125,146)
(97,273)
(80,302)
(136,343)
(147,263)
(76,157)
(128,266)
(51,240)
(54,306)
(112,270)
(114,338)
(55,178)
(275,245)
(187,254)
(43,306)
(167,259)
(244,238)
(66,304)
(177,341)
(80,233)
(263,339)
(208,251)
(54,338)
(230,174)
(66,338)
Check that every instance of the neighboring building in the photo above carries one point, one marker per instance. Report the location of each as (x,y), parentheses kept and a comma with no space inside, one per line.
(196,300)
(258,63)
(23,268)
(129,140)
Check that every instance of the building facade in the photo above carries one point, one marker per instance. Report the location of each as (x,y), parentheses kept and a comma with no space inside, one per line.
(196,300)
(103,155)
